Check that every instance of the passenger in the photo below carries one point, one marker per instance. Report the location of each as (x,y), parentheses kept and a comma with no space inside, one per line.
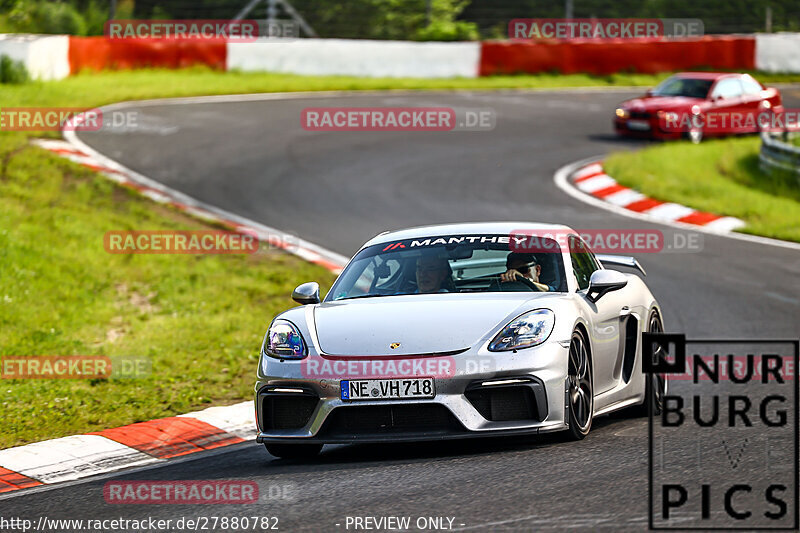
(432,273)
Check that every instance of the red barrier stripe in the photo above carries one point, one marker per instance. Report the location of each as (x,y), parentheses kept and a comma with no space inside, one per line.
(608,191)
(101,53)
(699,218)
(170,437)
(608,56)
(643,205)
(10,480)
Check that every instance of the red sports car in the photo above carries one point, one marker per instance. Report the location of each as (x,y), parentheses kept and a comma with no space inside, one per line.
(699,104)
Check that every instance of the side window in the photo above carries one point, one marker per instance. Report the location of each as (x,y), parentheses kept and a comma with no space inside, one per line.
(364,281)
(378,275)
(583,262)
(750,85)
(386,274)
(728,88)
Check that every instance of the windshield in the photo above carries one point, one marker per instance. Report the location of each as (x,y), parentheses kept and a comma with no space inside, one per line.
(448,264)
(690,87)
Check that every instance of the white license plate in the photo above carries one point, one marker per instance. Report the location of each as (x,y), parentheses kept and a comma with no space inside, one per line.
(387,389)
(639,125)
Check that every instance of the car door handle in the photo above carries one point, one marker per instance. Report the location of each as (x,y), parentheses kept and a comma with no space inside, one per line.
(625,311)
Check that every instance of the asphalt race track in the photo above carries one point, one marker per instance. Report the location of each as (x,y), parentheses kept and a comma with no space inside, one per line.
(338,190)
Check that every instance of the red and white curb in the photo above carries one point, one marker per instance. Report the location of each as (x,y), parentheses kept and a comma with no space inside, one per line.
(586,181)
(112,170)
(143,443)
(591,179)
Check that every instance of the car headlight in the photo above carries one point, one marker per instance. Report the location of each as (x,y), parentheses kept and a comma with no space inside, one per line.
(284,341)
(669,116)
(622,113)
(525,331)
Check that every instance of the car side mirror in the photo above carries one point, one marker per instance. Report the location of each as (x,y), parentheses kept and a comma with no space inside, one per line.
(648,92)
(307,293)
(605,281)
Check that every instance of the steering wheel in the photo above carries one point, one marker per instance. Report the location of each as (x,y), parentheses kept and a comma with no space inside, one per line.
(521,280)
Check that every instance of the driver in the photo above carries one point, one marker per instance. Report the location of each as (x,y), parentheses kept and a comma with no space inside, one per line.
(524,266)
(431,272)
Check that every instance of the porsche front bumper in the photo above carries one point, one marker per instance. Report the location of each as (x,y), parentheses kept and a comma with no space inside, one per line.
(487,393)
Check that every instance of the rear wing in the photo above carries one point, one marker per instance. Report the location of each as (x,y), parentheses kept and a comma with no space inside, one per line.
(620,260)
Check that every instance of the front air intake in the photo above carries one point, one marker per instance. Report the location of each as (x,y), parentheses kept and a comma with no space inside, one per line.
(400,420)
(280,410)
(512,399)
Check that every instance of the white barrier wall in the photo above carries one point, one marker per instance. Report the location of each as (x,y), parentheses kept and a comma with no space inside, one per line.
(778,52)
(392,59)
(45,56)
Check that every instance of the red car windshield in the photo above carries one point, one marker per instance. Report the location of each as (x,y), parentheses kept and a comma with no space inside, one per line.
(690,87)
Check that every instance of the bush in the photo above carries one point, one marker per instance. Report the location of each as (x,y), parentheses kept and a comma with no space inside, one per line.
(60,18)
(47,17)
(96,15)
(447,30)
(12,71)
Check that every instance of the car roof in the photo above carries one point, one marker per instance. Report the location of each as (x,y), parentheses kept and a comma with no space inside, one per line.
(466,228)
(705,75)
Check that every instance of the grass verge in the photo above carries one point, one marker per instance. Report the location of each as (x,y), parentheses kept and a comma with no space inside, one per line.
(94,89)
(199,319)
(721,176)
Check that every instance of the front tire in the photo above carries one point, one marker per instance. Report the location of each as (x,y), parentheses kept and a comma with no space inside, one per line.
(294,451)
(655,385)
(580,391)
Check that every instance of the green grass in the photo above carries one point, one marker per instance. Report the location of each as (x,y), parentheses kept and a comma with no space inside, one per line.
(720,176)
(92,89)
(199,319)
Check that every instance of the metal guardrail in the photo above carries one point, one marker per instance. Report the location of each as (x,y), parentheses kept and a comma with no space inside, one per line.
(777,153)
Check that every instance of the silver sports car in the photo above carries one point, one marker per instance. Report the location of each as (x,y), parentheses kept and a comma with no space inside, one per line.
(458,331)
